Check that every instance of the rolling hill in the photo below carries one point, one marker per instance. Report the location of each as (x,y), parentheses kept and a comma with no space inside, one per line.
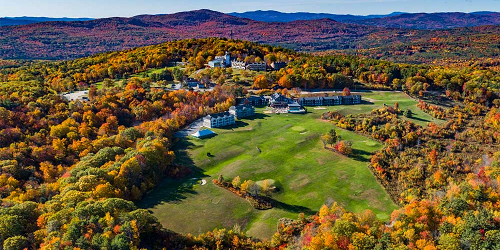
(276,16)
(66,40)
(432,21)
(62,40)
(8,21)
(425,21)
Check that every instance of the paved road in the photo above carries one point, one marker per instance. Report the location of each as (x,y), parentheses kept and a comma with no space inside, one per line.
(190,129)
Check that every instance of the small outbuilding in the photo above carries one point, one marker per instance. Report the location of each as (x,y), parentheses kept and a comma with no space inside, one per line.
(205,133)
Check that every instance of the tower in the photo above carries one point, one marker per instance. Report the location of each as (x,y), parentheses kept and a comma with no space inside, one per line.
(227,59)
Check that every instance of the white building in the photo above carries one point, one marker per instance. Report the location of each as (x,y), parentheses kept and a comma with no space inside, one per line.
(226,59)
(239,65)
(249,66)
(218,120)
(242,111)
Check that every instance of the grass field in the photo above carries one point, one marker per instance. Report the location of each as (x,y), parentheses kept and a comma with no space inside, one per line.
(291,154)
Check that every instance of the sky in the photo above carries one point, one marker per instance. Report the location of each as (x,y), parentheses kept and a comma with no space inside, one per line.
(127,8)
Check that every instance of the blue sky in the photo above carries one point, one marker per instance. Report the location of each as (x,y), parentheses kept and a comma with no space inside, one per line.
(126,8)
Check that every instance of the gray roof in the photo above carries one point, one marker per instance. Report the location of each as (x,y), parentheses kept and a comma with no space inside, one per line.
(310,98)
(255,97)
(217,115)
(332,97)
(242,106)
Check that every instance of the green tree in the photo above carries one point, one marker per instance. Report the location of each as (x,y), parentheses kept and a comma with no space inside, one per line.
(449,242)
(327,139)
(177,73)
(15,243)
(236,181)
(408,113)
(108,83)
(10,225)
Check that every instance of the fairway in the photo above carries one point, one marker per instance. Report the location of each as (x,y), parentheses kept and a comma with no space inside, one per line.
(291,154)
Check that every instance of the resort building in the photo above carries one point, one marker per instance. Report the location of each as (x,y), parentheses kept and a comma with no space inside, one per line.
(276,98)
(217,63)
(225,58)
(239,65)
(257,101)
(221,61)
(257,66)
(330,100)
(242,111)
(218,120)
(311,101)
(351,99)
(278,65)
(249,66)
(296,108)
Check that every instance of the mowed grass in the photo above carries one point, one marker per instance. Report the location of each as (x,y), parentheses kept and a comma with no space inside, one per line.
(291,154)
(377,99)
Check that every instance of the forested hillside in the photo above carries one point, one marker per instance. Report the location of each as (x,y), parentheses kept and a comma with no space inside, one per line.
(65,40)
(424,21)
(75,168)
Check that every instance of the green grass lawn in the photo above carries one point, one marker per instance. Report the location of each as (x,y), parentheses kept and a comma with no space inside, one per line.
(291,154)
(377,99)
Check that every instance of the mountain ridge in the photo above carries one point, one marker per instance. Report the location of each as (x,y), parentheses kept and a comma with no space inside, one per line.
(425,21)
(67,40)
(11,21)
(63,40)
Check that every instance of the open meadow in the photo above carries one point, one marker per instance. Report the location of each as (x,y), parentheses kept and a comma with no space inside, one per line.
(285,148)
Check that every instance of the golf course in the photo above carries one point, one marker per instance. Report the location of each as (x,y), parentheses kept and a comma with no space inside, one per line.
(285,149)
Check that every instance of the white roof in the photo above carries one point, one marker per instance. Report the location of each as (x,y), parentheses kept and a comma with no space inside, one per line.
(203,133)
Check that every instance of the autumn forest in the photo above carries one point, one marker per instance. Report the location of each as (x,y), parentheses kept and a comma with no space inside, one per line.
(74,172)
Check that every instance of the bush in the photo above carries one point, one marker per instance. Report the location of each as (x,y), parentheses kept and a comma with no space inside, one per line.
(344,147)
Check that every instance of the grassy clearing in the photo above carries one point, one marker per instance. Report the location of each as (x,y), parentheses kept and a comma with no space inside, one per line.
(291,154)
(379,98)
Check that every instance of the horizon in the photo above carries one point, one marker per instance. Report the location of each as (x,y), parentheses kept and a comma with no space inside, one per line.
(373,14)
(105,9)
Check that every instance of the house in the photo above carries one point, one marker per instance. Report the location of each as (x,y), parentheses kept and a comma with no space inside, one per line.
(242,111)
(296,108)
(218,120)
(256,101)
(205,133)
(278,65)
(191,82)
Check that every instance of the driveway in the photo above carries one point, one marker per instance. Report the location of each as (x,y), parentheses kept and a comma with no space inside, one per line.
(190,129)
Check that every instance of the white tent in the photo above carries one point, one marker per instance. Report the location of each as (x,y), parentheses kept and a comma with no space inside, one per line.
(203,133)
